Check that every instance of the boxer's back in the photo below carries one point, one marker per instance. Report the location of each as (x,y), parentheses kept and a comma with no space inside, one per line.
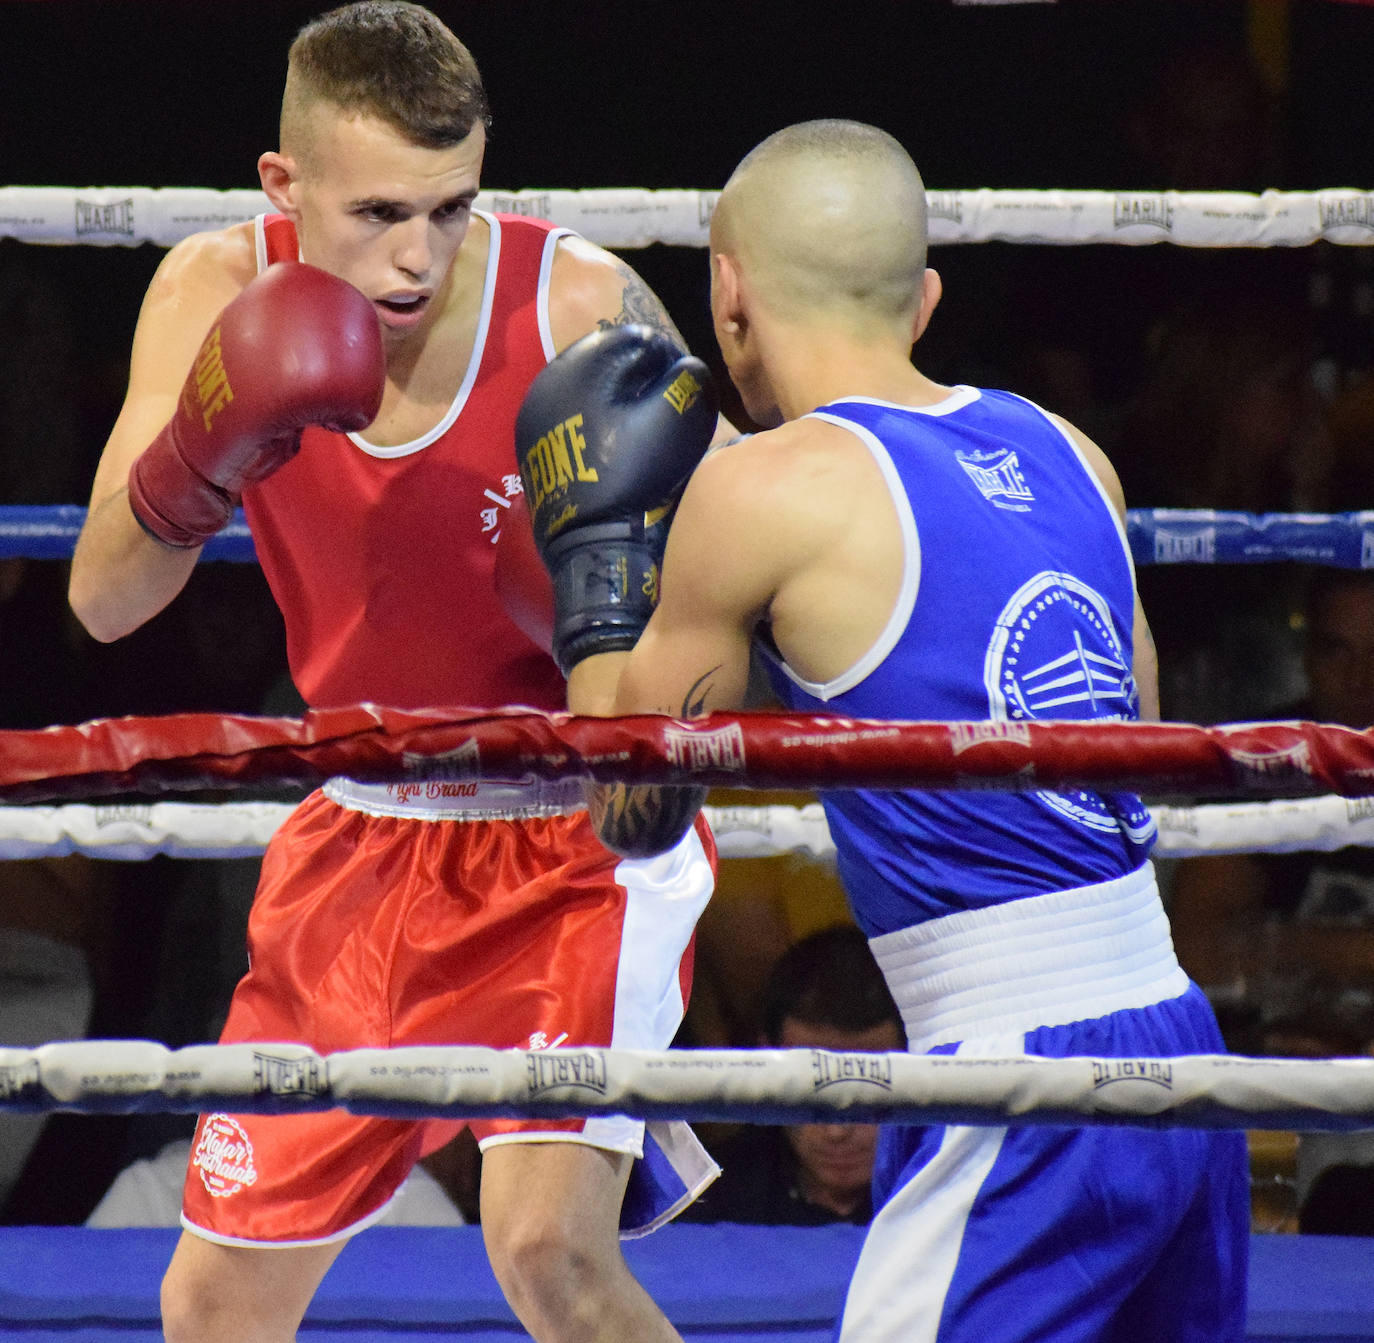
(1016,605)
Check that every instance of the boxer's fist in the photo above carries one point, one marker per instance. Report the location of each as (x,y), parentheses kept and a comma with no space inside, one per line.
(606,437)
(297,347)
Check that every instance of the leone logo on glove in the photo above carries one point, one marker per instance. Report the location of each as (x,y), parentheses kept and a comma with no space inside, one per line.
(682,392)
(555,461)
(211,380)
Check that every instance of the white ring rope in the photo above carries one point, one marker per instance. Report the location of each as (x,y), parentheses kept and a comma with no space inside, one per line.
(757,1085)
(636,216)
(137,830)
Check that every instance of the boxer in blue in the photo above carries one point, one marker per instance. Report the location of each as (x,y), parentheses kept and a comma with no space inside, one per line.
(907,550)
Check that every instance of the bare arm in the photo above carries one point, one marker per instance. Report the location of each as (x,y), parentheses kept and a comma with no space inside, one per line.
(591,289)
(1216,913)
(693,657)
(1145,667)
(120,575)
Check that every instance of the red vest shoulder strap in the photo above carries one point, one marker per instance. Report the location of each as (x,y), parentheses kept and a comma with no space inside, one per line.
(276,240)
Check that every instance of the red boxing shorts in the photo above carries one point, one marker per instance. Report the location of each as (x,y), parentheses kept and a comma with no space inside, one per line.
(435,914)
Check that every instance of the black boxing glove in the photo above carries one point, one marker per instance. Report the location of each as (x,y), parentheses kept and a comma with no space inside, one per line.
(606,438)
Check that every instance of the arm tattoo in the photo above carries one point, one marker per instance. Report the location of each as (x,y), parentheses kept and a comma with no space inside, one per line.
(642,820)
(639,304)
(694,702)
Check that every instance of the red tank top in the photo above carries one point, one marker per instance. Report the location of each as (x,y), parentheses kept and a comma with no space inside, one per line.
(382,559)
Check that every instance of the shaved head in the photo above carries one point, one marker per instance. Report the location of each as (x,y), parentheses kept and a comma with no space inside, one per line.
(828,218)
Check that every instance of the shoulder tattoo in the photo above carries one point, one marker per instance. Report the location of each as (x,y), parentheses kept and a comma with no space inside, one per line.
(639,305)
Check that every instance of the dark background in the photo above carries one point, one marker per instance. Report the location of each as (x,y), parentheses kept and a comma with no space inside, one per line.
(1212,378)
(1093,93)
(1079,94)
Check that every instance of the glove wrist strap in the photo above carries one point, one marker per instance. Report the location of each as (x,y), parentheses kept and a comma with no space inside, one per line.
(605,588)
(171,501)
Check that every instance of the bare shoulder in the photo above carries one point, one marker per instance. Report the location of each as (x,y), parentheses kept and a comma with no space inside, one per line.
(190,288)
(591,289)
(1096,459)
(222,261)
(791,478)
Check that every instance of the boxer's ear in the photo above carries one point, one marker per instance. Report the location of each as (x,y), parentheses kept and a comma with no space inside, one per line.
(931,289)
(280,178)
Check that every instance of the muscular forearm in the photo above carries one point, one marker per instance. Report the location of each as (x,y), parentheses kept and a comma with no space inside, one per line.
(638,821)
(120,576)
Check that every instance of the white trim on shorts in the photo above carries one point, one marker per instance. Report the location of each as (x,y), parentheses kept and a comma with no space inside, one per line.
(921,1228)
(665,896)
(459,799)
(215,1237)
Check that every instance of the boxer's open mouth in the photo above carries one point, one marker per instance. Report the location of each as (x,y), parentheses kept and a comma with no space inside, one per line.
(402,310)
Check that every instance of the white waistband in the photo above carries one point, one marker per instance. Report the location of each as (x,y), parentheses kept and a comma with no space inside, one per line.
(1042,961)
(459,799)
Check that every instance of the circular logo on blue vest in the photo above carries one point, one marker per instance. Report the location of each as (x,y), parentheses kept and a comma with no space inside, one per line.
(1056,653)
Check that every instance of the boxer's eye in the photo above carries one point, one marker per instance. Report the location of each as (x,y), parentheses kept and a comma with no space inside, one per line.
(453,209)
(377,212)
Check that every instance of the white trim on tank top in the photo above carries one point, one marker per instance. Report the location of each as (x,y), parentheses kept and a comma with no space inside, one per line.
(483,325)
(1092,476)
(479,345)
(542,304)
(959,396)
(260,241)
(911,541)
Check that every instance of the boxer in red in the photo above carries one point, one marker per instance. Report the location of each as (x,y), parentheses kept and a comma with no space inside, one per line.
(350,368)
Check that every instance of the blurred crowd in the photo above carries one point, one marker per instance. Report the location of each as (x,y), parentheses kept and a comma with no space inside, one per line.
(1235,380)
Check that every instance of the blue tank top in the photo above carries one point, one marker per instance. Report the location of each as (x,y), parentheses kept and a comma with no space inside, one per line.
(1016,604)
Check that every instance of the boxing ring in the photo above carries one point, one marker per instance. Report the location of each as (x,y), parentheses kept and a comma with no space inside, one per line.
(1289,786)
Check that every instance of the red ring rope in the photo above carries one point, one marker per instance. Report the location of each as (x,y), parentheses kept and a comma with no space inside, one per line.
(759,750)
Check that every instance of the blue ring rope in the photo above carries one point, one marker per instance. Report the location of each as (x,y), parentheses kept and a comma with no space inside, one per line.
(49,531)
(1156,536)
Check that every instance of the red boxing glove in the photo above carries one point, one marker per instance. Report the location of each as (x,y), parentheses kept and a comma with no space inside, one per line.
(522,582)
(297,347)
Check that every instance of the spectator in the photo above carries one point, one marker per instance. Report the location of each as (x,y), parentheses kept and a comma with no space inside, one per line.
(1349,483)
(761,906)
(1284,943)
(49,909)
(1226,418)
(826,992)
(1288,939)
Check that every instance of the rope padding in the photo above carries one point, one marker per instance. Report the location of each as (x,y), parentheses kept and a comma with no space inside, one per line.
(114,756)
(134,831)
(1155,535)
(758,1086)
(636,216)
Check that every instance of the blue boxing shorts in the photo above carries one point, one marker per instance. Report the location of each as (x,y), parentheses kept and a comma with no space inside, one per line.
(1033,1234)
